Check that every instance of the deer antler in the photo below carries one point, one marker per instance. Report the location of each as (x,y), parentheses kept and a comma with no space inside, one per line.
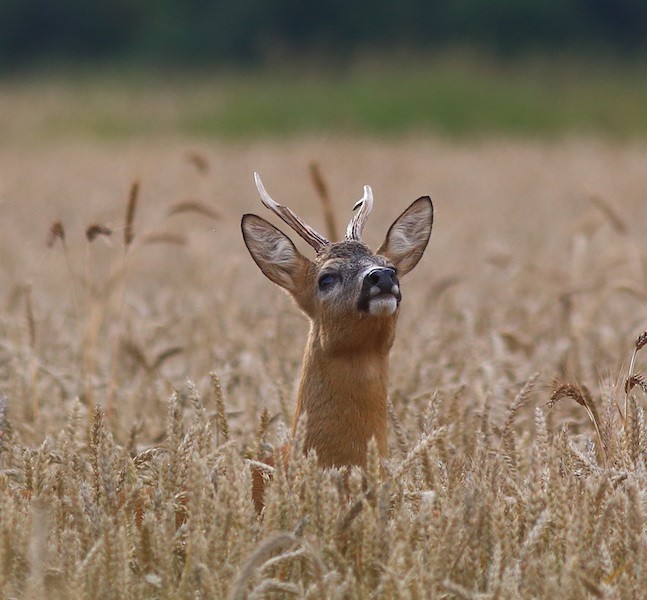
(356,225)
(316,240)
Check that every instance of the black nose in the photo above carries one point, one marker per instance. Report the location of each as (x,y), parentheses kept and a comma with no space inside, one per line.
(383,279)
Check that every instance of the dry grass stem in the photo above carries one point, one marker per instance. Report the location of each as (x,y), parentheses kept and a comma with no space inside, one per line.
(261,431)
(484,492)
(56,232)
(641,340)
(221,415)
(276,543)
(196,207)
(129,233)
(31,320)
(610,212)
(95,230)
(165,355)
(199,161)
(324,197)
(582,396)
(636,380)
(3,426)
(164,237)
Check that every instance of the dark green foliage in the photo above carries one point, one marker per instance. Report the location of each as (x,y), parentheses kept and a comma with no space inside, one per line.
(207,31)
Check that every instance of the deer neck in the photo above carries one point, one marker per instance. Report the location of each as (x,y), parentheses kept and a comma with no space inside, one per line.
(343,391)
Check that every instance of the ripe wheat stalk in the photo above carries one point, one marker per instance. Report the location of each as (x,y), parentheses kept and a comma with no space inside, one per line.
(499,483)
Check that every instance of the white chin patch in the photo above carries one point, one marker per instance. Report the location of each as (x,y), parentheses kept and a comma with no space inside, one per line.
(382,306)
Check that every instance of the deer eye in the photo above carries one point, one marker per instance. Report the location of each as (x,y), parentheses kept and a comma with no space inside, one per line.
(326,281)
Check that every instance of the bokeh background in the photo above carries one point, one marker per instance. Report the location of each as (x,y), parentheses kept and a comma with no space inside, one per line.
(455,67)
(207,32)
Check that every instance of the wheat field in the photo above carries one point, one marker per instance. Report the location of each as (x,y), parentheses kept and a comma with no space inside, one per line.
(145,361)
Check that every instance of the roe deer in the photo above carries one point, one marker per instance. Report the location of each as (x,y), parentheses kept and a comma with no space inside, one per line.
(352,298)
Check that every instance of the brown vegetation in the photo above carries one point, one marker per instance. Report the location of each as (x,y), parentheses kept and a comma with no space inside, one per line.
(488,492)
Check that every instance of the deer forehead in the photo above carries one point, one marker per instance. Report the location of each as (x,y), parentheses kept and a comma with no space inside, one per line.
(349,255)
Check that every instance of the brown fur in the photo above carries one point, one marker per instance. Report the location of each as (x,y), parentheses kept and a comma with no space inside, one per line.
(344,376)
(343,388)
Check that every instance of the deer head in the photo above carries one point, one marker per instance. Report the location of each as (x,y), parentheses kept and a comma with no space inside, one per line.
(352,297)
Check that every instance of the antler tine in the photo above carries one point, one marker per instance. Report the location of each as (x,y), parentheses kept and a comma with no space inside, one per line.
(316,240)
(356,225)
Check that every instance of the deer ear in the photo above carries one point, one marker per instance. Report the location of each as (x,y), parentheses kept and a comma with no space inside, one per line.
(407,238)
(274,253)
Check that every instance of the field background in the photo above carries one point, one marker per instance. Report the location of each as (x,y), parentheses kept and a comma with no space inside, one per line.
(122,471)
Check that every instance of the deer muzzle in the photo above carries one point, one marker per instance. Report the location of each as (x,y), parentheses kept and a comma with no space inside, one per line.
(380,295)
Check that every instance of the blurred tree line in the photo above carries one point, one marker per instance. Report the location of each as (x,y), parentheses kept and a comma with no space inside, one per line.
(210,31)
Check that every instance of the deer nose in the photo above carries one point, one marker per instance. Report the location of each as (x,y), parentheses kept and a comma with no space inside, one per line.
(384,279)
